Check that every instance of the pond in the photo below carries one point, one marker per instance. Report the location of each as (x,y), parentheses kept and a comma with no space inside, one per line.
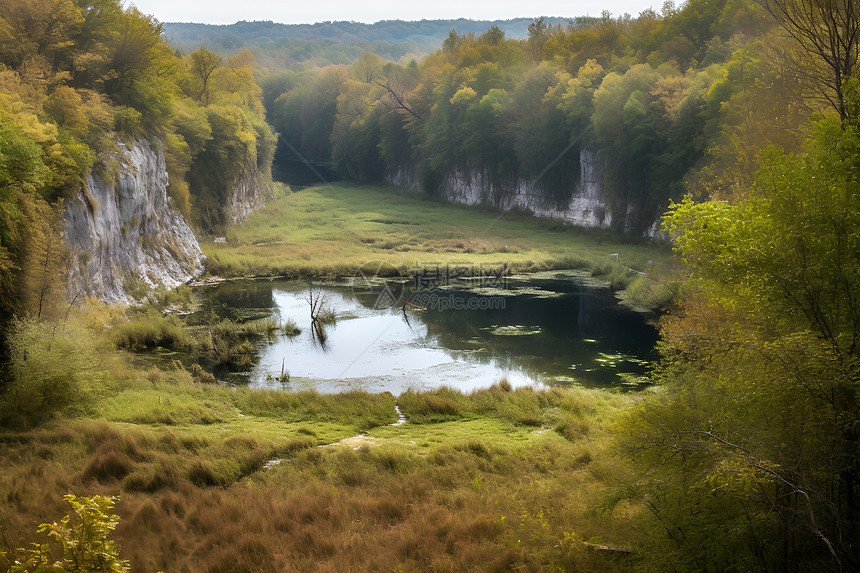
(556,328)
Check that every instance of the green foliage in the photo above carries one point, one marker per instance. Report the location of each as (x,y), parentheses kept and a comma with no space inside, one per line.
(86,542)
(20,158)
(757,420)
(50,371)
(630,92)
(793,244)
(202,64)
(241,146)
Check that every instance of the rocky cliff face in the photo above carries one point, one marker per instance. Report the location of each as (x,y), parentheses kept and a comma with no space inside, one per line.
(587,206)
(246,196)
(126,236)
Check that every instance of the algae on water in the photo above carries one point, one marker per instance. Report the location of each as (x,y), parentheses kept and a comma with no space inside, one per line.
(513,330)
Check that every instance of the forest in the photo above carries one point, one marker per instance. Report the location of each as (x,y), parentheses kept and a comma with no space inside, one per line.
(668,103)
(734,124)
(77,79)
(290,46)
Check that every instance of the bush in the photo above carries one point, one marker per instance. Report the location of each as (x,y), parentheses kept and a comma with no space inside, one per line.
(86,543)
(48,370)
(151,331)
(644,294)
(152,478)
(106,466)
(232,341)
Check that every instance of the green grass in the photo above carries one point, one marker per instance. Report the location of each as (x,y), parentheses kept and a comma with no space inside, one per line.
(486,480)
(330,231)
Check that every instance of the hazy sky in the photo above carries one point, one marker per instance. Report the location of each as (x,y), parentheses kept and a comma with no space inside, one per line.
(309,11)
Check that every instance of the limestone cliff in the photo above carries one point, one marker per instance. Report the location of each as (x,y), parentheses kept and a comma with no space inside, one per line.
(246,195)
(125,236)
(588,204)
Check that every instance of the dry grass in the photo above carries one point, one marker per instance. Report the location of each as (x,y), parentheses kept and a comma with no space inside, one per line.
(482,491)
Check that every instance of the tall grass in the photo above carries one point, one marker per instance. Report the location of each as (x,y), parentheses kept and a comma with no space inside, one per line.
(223,342)
(434,497)
(150,330)
(214,478)
(360,408)
(570,413)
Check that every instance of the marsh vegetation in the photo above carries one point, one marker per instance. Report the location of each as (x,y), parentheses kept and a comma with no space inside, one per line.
(739,454)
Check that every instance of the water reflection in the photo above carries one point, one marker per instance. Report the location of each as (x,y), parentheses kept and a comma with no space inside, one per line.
(553,332)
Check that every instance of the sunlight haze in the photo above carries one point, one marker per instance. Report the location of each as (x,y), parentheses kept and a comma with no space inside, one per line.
(228,12)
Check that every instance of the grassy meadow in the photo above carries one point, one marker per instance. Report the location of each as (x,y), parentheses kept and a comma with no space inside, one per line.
(211,478)
(329,231)
(216,478)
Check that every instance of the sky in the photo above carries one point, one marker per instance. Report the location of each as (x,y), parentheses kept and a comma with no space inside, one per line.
(311,11)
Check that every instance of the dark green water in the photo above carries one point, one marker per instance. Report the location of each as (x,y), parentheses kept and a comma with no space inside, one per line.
(543,330)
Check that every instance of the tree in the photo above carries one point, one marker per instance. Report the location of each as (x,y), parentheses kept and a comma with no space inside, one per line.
(755,431)
(539,32)
(202,64)
(794,242)
(493,36)
(828,31)
(397,82)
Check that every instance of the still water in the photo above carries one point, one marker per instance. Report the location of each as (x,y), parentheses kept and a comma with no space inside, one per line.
(554,328)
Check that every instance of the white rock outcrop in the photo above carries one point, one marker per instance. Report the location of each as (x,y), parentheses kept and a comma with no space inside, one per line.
(127,235)
(587,206)
(246,196)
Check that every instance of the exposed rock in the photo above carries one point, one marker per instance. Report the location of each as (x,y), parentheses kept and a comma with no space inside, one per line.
(588,205)
(246,196)
(126,237)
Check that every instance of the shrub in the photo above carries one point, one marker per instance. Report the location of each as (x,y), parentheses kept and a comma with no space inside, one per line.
(85,542)
(202,474)
(648,295)
(151,331)
(48,369)
(108,465)
(289,328)
(152,478)
(201,375)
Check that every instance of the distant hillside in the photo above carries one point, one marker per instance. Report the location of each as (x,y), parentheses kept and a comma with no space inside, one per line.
(284,45)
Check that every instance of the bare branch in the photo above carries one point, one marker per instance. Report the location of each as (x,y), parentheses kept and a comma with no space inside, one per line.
(398,98)
(762,466)
(828,30)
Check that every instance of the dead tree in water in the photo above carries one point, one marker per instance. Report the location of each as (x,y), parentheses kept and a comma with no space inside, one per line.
(316,300)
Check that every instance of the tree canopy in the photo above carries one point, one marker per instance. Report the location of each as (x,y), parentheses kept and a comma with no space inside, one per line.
(77,77)
(653,98)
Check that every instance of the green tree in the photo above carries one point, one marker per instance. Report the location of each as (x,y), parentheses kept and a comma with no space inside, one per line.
(202,64)
(755,429)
